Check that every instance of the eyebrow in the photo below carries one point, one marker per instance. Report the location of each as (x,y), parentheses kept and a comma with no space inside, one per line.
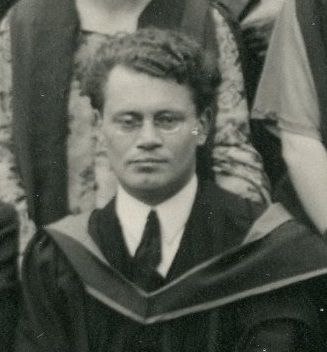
(127,112)
(136,113)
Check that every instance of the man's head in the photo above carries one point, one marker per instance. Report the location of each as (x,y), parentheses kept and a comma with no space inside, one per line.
(153,90)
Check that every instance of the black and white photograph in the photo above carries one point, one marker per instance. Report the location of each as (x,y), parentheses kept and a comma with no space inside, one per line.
(163,175)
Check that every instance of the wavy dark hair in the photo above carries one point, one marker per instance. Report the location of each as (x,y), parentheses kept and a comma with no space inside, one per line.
(158,53)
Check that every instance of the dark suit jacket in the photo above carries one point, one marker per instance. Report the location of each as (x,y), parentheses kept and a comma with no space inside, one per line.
(9,283)
(61,316)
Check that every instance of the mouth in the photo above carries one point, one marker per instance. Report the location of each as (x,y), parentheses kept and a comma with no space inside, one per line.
(148,161)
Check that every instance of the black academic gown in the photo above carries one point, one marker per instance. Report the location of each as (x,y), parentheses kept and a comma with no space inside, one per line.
(62,314)
(9,283)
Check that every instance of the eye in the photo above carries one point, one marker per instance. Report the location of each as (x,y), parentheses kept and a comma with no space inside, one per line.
(168,121)
(127,122)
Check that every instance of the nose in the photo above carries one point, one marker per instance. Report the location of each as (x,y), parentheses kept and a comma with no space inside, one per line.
(149,137)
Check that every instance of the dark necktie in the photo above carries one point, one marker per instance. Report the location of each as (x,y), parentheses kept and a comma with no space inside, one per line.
(143,273)
(148,253)
(148,256)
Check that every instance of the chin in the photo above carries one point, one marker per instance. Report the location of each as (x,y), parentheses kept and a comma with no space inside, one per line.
(149,187)
(148,181)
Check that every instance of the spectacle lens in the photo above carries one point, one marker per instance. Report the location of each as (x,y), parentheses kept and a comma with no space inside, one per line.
(164,123)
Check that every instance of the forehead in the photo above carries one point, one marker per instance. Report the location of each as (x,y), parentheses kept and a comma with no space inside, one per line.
(127,89)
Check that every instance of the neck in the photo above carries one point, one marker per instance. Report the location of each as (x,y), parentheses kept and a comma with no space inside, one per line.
(118,5)
(110,16)
(113,6)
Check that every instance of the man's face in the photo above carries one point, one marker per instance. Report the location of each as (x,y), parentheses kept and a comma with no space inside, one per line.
(149,125)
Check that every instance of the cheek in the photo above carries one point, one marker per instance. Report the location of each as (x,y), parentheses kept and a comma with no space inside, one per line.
(117,147)
(184,148)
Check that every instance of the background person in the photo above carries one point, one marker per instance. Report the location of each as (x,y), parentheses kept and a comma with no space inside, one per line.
(256,20)
(291,96)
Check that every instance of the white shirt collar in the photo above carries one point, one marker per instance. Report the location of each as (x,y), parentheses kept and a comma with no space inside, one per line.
(173,214)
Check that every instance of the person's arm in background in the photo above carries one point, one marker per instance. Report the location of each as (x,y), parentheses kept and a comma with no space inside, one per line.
(11,189)
(9,282)
(287,92)
(237,165)
(306,160)
(257,25)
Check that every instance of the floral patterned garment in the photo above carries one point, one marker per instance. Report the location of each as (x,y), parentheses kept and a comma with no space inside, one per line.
(92,183)
(237,165)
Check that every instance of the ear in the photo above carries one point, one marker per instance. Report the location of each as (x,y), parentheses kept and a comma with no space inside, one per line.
(98,118)
(204,123)
(100,131)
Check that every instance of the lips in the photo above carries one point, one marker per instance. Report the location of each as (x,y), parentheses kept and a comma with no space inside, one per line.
(148,161)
